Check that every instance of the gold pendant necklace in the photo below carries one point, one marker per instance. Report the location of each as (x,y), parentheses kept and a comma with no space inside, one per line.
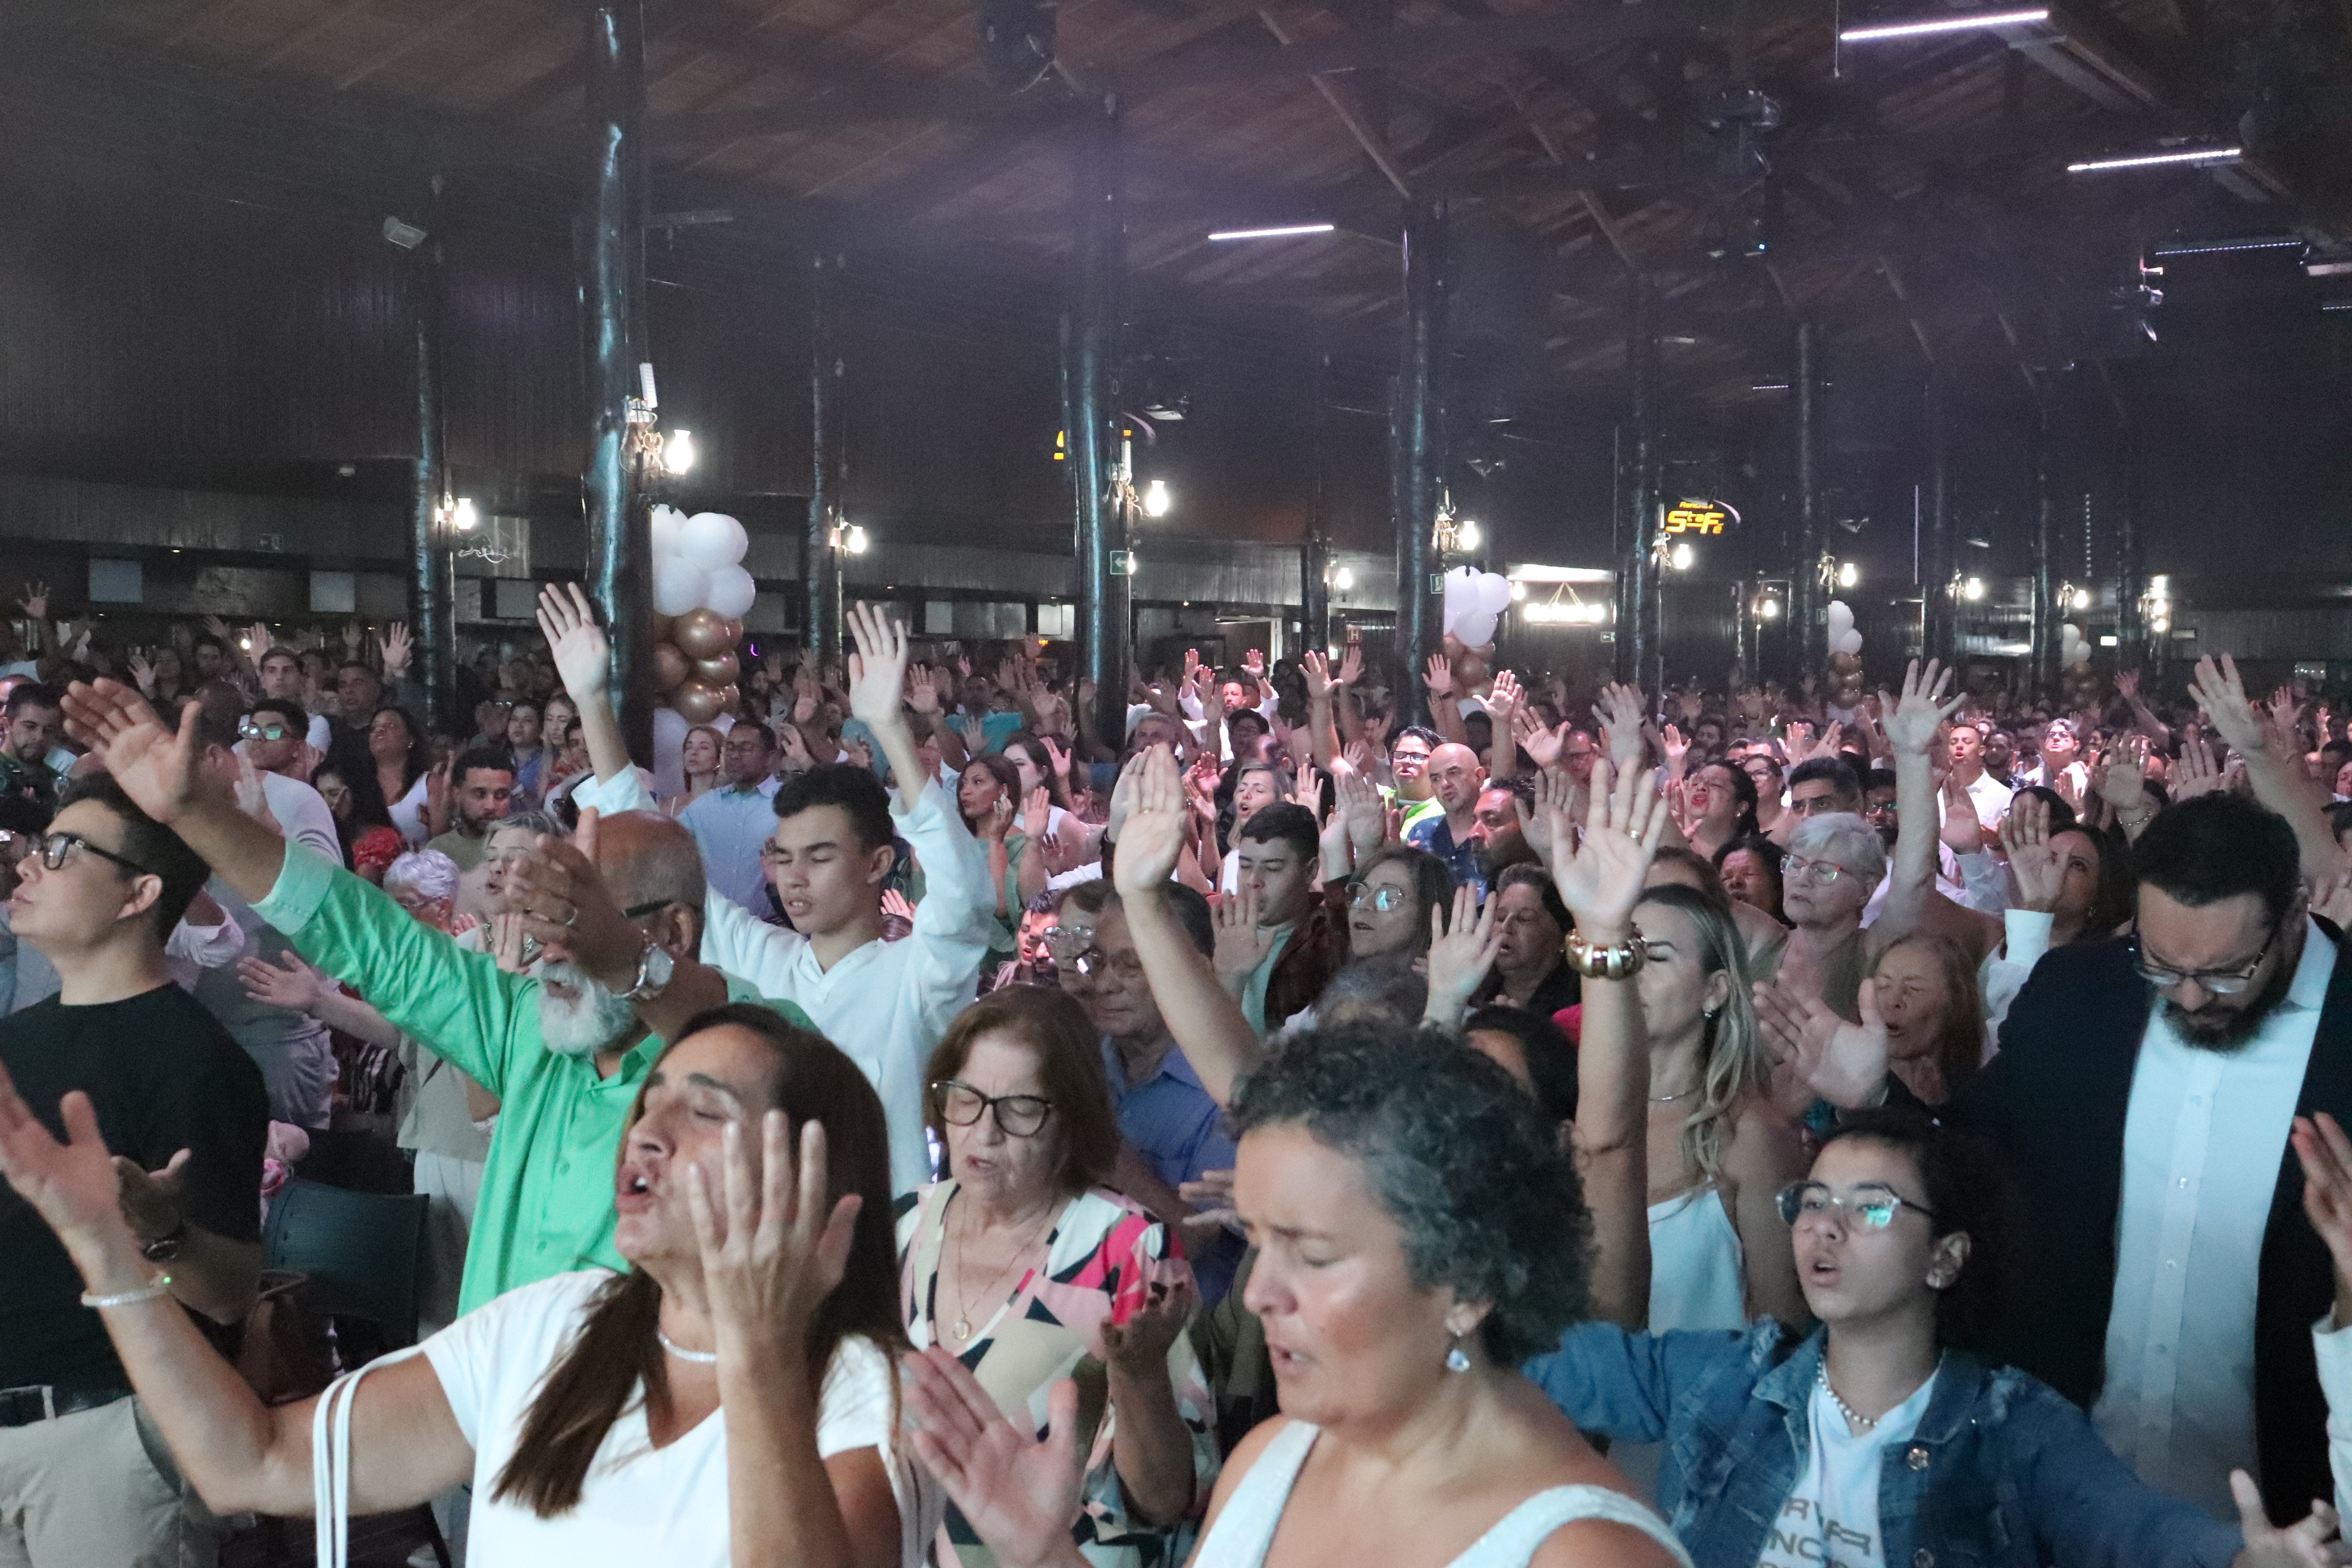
(961,1328)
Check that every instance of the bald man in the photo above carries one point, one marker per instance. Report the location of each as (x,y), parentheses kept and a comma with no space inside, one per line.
(1456,780)
(563,1052)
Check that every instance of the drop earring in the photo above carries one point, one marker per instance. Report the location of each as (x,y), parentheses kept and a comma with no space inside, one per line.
(1457,1359)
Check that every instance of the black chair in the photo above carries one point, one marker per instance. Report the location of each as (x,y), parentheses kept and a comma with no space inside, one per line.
(363,1254)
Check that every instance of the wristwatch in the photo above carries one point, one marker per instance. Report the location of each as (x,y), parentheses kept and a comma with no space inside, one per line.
(654,971)
(166,1247)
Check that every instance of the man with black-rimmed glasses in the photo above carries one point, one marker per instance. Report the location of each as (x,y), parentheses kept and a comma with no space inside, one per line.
(184,1112)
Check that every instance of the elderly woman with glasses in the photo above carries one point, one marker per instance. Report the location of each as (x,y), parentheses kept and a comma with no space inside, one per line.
(1026,1269)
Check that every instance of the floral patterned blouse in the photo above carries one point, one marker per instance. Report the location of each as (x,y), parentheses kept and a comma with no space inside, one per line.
(1102,1257)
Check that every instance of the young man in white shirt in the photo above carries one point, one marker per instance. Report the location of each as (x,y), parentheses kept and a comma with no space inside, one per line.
(886,1004)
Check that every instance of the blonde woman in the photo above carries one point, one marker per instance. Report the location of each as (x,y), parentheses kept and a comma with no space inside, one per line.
(1718,1150)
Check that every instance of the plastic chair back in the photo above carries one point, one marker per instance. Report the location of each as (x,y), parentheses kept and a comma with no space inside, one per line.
(362,1252)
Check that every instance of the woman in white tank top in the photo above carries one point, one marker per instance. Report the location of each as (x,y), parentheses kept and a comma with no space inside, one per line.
(1719,1152)
(1419,1229)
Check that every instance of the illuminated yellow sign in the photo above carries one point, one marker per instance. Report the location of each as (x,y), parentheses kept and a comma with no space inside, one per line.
(1699,517)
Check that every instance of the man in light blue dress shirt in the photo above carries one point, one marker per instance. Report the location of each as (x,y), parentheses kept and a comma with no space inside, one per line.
(731,823)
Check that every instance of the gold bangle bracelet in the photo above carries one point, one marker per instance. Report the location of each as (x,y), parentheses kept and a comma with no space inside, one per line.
(1616,961)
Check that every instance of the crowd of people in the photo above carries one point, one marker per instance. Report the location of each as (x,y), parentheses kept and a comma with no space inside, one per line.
(897,1124)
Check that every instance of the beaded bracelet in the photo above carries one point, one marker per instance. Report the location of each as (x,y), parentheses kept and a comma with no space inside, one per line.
(156,1289)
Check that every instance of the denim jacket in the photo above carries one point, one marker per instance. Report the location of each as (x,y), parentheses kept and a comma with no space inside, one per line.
(2002,1472)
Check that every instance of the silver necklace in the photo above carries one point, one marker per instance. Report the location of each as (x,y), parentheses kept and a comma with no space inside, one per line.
(710,1358)
(1855,1422)
(1670,1099)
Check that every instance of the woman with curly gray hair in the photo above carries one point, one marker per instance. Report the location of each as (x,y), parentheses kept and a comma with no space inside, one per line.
(1420,1235)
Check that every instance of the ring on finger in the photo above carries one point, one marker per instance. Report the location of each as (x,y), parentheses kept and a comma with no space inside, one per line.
(572,917)
(530,950)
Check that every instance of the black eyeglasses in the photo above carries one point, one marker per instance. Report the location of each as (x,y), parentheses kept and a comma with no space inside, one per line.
(2220,983)
(1017,1115)
(55,846)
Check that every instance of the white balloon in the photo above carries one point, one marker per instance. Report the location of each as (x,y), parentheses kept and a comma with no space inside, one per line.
(667,521)
(678,587)
(1494,592)
(1476,630)
(1841,617)
(1846,641)
(730,592)
(1461,589)
(710,540)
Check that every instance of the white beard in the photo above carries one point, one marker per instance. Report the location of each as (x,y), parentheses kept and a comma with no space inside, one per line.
(594,1020)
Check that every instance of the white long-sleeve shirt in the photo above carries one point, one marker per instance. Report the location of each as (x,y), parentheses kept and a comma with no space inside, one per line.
(2202,1140)
(887,1003)
(2333,1345)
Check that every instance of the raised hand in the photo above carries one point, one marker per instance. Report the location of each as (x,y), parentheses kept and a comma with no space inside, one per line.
(2033,860)
(1676,749)
(772,1248)
(1151,836)
(1037,810)
(923,696)
(1020,1494)
(2222,696)
(2121,777)
(143,673)
(1254,664)
(1505,698)
(2325,1154)
(1961,828)
(2196,773)
(1242,944)
(1843,1063)
(1057,757)
(1351,661)
(1911,721)
(2127,685)
(878,671)
(1620,711)
(36,602)
(396,647)
(1438,676)
(1599,879)
(219,628)
(1461,951)
(1360,805)
(1541,744)
(160,770)
(1317,671)
(582,657)
(297,988)
(2286,709)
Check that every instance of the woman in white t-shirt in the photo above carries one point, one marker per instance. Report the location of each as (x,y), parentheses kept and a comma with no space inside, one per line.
(732,1399)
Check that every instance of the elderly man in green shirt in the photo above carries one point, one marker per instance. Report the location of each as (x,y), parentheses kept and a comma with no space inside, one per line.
(564,1054)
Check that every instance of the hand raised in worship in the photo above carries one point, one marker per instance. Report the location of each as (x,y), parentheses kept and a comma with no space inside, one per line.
(1504,699)
(1599,878)
(1148,812)
(2325,1155)
(1036,812)
(296,986)
(1438,676)
(1461,951)
(1910,721)
(143,673)
(1316,668)
(251,798)
(159,769)
(1359,806)
(561,901)
(1843,1063)
(1351,660)
(219,628)
(395,648)
(1242,944)
(896,907)
(2305,1544)
(1019,1493)
(1619,710)
(2196,773)
(2222,695)
(2121,776)
(878,671)
(1542,745)
(2033,860)
(2127,685)
(772,1249)
(36,602)
(582,656)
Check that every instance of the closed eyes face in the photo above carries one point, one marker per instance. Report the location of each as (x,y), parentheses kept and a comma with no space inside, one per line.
(708,1082)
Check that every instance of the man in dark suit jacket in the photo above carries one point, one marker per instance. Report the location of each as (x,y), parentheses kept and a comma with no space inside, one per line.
(2222,920)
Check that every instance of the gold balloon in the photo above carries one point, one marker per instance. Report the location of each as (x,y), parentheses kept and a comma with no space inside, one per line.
(720,670)
(697,703)
(663,626)
(700,634)
(734,630)
(670,666)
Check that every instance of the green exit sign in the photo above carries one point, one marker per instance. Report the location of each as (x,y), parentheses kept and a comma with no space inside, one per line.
(1122,562)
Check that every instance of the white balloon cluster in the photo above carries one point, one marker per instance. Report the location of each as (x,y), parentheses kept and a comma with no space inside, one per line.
(1843,638)
(1475,602)
(699,563)
(2072,649)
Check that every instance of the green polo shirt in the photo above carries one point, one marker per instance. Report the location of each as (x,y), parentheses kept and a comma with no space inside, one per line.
(546,1204)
